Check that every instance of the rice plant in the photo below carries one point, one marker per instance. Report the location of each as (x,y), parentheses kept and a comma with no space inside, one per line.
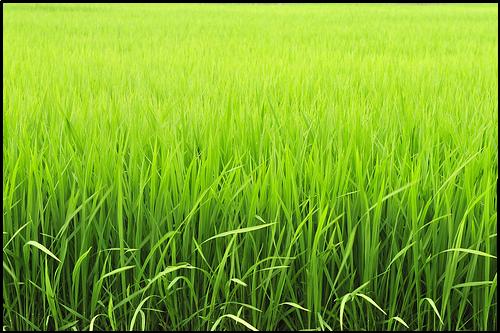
(250,167)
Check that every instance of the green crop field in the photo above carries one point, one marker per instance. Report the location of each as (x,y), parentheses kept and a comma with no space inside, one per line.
(250,166)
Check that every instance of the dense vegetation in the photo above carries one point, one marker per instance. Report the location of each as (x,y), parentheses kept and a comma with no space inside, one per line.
(271,167)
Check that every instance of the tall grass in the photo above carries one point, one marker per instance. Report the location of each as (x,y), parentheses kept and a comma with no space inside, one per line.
(270,167)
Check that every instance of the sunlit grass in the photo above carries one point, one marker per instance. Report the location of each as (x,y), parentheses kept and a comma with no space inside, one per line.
(270,167)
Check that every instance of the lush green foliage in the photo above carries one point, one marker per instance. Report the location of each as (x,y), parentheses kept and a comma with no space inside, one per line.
(250,166)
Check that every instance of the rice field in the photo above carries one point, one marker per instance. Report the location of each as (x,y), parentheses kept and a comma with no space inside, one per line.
(250,167)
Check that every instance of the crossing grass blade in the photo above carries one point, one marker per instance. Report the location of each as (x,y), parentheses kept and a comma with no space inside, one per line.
(434,308)
(238,231)
(238,281)
(371,301)
(42,248)
(295,305)
(401,321)
(116,271)
(475,252)
(238,320)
